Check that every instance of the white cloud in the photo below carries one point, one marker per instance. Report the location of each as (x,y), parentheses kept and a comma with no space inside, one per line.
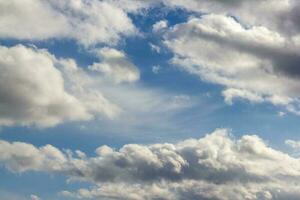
(280,15)
(38,89)
(34,197)
(88,22)
(292,143)
(252,63)
(22,157)
(154,48)
(160,25)
(116,65)
(41,90)
(213,167)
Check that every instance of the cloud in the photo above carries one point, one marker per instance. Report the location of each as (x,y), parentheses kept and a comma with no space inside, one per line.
(252,63)
(146,110)
(87,22)
(292,143)
(34,197)
(20,157)
(280,15)
(155,48)
(160,25)
(116,65)
(38,89)
(107,21)
(213,167)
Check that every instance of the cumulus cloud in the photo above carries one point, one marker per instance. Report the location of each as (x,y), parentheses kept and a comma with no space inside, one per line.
(116,65)
(87,22)
(38,89)
(42,90)
(106,21)
(252,63)
(213,167)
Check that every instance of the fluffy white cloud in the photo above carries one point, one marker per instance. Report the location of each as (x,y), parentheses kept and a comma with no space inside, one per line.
(21,157)
(252,63)
(105,21)
(213,167)
(88,22)
(156,69)
(41,90)
(116,65)
(38,89)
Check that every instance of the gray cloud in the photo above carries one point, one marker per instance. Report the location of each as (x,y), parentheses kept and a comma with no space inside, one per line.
(213,167)
(38,89)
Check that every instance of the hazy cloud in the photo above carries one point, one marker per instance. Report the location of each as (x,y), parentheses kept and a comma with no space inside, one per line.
(116,65)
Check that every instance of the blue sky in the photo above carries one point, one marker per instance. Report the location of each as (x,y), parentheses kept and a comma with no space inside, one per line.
(209,68)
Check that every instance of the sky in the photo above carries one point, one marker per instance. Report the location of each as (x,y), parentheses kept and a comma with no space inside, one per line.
(149,99)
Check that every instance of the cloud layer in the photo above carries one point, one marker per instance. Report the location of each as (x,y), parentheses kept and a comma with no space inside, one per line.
(213,167)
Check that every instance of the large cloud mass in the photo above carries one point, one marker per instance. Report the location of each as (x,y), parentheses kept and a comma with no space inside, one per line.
(37,88)
(213,167)
(252,63)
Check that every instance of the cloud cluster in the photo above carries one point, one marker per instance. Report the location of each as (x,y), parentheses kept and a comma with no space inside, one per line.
(87,22)
(253,63)
(252,52)
(36,88)
(39,89)
(213,167)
